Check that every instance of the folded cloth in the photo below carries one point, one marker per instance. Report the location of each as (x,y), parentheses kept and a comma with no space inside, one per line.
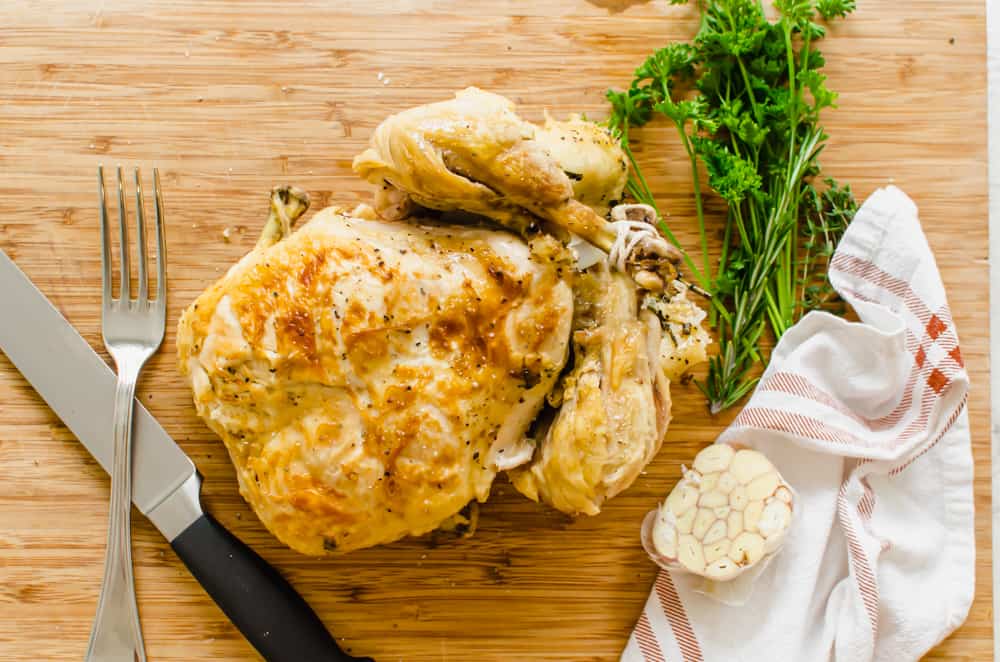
(867,421)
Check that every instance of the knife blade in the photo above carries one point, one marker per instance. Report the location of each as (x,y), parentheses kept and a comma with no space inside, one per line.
(76,384)
(79,387)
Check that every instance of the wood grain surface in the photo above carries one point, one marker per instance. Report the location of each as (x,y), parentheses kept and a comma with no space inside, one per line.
(231,98)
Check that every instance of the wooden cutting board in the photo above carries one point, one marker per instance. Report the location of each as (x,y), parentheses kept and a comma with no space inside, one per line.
(231,98)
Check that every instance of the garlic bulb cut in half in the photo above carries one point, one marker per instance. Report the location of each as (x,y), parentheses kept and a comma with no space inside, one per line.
(728,512)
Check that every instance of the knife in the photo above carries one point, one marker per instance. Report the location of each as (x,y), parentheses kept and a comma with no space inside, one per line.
(78,386)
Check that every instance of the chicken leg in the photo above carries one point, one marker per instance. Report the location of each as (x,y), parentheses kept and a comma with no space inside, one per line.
(612,407)
(473,153)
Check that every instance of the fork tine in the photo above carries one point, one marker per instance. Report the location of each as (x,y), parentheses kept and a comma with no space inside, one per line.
(140,238)
(125,292)
(105,240)
(161,244)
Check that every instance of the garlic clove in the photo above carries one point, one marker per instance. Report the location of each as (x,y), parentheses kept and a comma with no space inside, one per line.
(716,457)
(691,555)
(665,538)
(734,524)
(751,515)
(763,486)
(774,519)
(747,465)
(747,548)
(715,533)
(708,482)
(738,498)
(702,521)
(716,550)
(727,483)
(682,499)
(685,522)
(713,500)
(722,569)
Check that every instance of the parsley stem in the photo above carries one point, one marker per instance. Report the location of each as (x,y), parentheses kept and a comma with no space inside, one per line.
(750,94)
(752,122)
(743,71)
(705,276)
(700,211)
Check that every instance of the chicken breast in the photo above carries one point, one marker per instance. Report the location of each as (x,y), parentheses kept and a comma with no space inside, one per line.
(369,378)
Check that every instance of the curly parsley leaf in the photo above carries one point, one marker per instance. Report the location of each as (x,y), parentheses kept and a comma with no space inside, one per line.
(745,96)
(831,9)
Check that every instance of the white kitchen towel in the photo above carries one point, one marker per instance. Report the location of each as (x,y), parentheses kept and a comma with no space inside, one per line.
(867,421)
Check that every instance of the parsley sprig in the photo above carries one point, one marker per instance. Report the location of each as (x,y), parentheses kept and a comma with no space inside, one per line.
(745,97)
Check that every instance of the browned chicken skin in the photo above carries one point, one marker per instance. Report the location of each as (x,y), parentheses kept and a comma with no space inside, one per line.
(371,372)
(473,153)
(613,406)
(369,377)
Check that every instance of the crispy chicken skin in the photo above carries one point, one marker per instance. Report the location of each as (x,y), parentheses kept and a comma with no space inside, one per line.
(368,377)
(371,372)
(475,154)
(471,153)
(590,157)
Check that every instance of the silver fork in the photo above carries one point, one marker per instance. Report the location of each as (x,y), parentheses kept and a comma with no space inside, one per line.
(132,330)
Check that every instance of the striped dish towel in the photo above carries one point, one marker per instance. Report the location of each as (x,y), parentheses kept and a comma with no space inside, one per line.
(867,421)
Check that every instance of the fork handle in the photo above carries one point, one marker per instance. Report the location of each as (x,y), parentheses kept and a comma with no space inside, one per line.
(116,635)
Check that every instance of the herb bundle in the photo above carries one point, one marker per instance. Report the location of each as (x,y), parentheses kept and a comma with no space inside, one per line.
(752,119)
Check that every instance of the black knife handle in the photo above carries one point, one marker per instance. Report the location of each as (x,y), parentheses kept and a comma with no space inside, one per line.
(258,600)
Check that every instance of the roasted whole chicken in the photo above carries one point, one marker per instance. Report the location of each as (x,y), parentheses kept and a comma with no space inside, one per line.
(497,310)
